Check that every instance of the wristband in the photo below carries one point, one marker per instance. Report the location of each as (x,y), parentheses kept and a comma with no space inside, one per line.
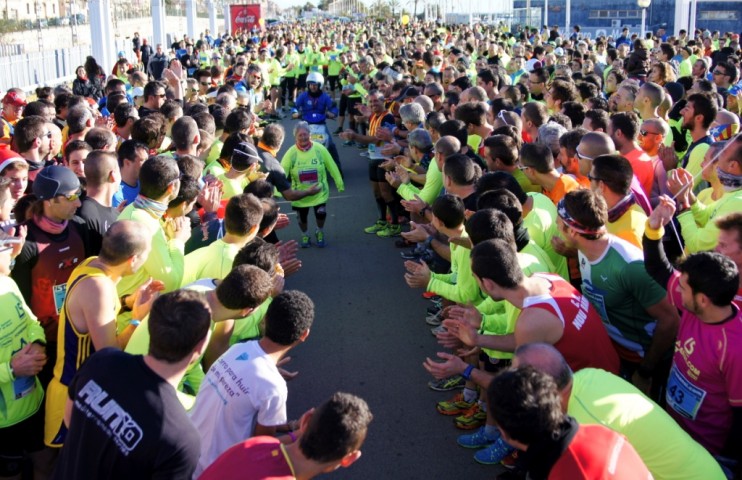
(291,436)
(124,307)
(467,372)
(422,212)
(653,234)
(136,323)
(428,241)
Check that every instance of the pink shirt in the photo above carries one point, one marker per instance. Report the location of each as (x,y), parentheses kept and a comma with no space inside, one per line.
(704,381)
(257,458)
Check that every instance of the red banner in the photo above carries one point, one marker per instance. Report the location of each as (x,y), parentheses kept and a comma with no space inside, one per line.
(245,17)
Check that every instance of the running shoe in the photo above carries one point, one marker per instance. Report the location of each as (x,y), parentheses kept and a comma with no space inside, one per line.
(348,143)
(455,406)
(391,230)
(376,227)
(477,439)
(447,384)
(511,461)
(305,241)
(434,319)
(494,454)
(433,309)
(471,419)
(436,330)
(338,131)
(320,236)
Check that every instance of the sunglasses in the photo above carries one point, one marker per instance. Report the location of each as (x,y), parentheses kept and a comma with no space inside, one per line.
(593,179)
(719,72)
(204,83)
(161,95)
(584,157)
(644,133)
(72,197)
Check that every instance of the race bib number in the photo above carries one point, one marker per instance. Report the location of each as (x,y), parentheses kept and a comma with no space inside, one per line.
(596,298)
(23,386)
(308,176)
(59,292)
(684,397)
(317,133)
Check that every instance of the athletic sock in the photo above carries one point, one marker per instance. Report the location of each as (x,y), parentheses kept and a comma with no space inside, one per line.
(381,205)
(470,395)
(491,430)
(393,212)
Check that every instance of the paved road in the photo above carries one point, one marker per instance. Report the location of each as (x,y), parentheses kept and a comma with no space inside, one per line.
(370,339)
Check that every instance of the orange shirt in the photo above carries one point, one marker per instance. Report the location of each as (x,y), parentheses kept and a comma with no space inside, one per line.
(643,168)
(563,186)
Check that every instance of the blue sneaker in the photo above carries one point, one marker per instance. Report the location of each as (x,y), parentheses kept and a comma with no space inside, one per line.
(305,242)
(477,439)
(320,236)
(494,454)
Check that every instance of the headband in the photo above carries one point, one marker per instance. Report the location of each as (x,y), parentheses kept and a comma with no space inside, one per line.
(574,224)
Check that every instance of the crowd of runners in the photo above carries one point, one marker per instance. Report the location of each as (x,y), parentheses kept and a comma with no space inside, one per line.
(571,206)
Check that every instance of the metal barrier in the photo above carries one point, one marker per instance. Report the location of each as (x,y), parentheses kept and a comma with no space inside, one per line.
(51,67)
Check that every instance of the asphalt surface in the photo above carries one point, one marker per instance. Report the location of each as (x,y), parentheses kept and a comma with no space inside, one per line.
(370,338)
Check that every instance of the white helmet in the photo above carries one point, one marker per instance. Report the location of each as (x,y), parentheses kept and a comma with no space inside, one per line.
(317,78)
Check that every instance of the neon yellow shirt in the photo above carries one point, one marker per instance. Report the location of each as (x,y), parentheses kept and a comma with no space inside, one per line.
(164,263)
(212,261)
(599,397)
(21,396)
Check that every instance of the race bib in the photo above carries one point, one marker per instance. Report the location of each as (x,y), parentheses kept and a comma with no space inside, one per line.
(59,292)
(317,133)
(684,397)
(308,176)
(23,387)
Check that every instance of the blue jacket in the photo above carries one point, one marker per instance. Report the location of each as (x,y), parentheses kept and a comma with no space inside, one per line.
(307,105)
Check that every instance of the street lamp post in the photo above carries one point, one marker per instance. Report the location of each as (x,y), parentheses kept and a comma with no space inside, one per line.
(644,4)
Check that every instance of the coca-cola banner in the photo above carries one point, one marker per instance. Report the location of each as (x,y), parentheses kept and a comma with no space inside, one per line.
(244,17)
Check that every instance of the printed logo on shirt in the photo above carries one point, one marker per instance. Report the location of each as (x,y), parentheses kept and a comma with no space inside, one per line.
(96,404)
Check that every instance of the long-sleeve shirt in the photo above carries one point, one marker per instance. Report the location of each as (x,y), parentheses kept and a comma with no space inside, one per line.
(21,396)
(164,262)
(459,285)
(305,169)
(698,225)
(430,191)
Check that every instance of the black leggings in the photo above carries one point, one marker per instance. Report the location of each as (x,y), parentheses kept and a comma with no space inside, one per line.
(320,212)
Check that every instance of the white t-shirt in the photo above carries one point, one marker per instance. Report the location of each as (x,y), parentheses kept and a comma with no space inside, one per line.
(242,388)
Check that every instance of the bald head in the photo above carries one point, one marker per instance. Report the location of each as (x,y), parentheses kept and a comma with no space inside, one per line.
(657,125)
(725,117)
(595,144)
(447,146)
(123,240)
(473,94)
(545,358)
(57,143)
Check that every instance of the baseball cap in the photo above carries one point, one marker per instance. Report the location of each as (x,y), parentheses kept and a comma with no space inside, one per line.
(559,52)
(407,92)
(532,64)
(244,155)
(54,180)
(15,99)
(137,92)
